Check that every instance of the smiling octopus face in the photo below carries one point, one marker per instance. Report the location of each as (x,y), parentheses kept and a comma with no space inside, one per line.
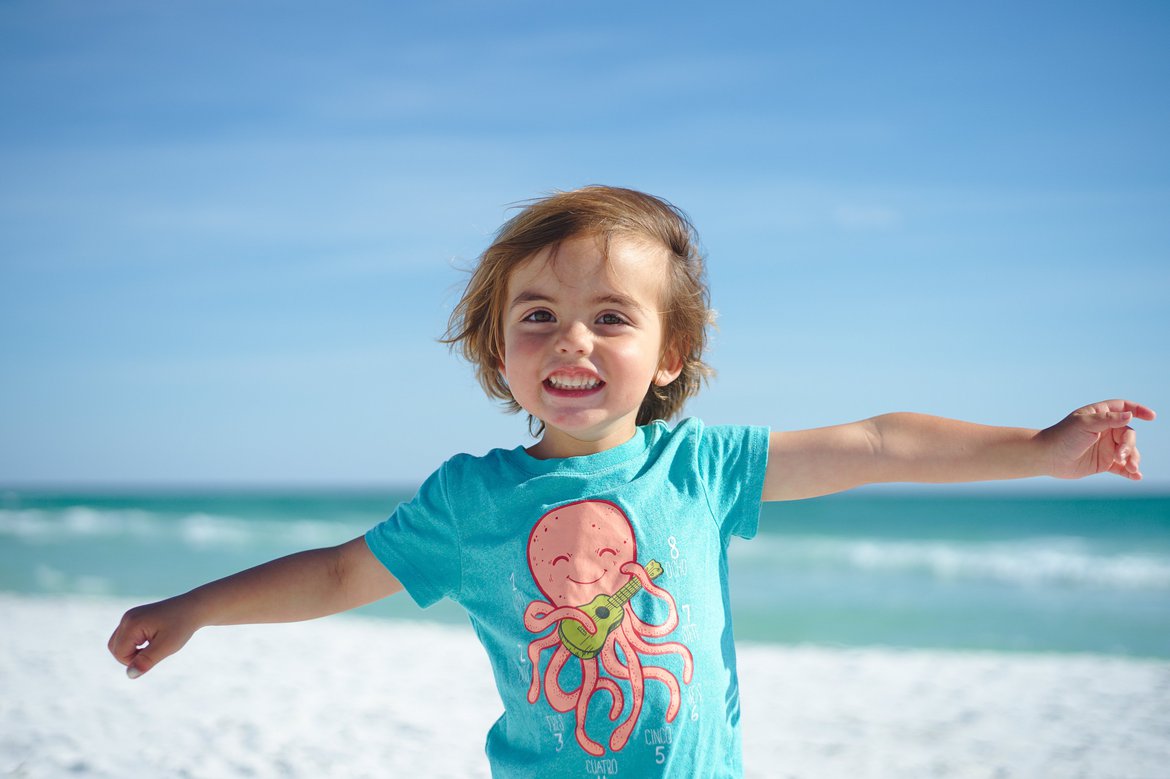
(576,552)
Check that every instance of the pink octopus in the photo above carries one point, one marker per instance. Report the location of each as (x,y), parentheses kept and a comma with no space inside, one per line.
(580,555)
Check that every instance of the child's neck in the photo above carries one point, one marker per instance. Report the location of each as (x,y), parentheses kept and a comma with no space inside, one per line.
(556,444)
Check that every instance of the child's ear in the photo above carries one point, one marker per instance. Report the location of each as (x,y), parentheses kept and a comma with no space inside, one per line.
(669,367)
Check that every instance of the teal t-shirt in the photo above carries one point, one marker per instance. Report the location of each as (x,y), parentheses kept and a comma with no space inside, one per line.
(598,586)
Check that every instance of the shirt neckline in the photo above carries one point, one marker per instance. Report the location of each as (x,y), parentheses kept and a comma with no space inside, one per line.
(644,436)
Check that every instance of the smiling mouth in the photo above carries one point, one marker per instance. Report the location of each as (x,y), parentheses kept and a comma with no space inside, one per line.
(573,383)
(575,581)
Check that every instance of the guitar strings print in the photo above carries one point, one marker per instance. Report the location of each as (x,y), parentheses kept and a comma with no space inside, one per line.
(583,558)
(606,612)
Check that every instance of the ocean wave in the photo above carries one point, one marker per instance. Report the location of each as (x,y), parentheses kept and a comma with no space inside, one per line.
(82,523)
(1029,562)
(75,523)
(50,579)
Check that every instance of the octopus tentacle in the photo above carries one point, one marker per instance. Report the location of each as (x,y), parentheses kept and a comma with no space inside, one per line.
(618,700)
(616,668)
(610,659)
(534,651)
(540,615)
(667,678)
(584,694)
(633,672)
(637,571)
(558,698)
(578,699)
(665,648)
(656,631)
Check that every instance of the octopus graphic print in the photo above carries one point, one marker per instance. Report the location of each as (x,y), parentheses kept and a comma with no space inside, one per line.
(584,559)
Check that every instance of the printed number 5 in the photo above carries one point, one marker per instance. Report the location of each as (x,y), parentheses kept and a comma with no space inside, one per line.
(660,755)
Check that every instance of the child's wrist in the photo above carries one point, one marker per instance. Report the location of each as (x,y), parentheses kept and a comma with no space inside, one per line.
(1041,459)
(200,607)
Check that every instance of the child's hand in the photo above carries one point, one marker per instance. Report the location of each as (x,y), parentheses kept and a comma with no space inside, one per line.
(1095,439)
(148,634)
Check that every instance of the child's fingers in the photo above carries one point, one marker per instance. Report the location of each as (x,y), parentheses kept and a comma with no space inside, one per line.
(1125,470)
(1129,457)
(153,652)
(124,641)
(146,658)
(1126,458)
(1139,411)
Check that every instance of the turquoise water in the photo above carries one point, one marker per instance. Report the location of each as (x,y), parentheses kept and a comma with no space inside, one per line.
(953,571)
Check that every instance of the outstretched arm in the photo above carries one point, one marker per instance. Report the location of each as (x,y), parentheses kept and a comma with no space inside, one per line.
(301,586)
(918,448)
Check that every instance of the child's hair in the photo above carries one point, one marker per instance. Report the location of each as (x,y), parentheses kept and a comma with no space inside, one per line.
(476,324)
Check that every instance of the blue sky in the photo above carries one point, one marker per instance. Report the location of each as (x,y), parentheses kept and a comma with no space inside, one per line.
(231,232)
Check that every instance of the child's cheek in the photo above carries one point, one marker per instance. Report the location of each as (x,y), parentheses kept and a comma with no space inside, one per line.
(523,349)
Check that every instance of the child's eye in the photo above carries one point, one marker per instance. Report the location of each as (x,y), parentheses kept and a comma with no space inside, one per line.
(610,319)
(539,316)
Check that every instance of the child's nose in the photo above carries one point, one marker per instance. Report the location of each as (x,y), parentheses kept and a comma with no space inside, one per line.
(575,338)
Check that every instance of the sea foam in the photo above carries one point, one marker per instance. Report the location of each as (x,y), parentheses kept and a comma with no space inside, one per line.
(1062,561)
(197,529)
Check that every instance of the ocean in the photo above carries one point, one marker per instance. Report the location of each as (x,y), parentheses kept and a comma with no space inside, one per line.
(964,570)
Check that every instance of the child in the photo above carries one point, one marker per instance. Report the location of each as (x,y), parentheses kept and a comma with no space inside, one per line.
(593,564)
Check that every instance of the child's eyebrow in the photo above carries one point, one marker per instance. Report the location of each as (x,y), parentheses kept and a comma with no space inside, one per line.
(528,296)
(613,298)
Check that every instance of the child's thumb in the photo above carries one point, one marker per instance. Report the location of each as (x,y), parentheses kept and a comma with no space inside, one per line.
(139,665)
(148,657)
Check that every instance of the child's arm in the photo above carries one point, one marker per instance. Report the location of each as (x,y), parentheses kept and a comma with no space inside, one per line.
(298,587)
(918,448)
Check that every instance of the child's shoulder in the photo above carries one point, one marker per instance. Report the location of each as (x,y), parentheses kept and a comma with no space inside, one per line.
(465,462)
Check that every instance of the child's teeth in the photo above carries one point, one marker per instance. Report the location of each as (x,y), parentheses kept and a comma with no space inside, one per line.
(579,382)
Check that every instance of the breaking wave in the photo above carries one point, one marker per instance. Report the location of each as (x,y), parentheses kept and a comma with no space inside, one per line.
(79,523)
(1030,562)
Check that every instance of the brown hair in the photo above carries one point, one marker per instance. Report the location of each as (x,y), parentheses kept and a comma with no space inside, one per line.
(476,324)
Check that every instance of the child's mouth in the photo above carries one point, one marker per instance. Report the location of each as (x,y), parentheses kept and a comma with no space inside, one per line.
(573,385)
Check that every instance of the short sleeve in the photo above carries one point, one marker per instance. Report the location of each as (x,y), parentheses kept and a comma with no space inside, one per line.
(419,544)
(732,462)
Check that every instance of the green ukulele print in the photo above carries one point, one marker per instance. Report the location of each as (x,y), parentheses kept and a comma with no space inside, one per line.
(607,612)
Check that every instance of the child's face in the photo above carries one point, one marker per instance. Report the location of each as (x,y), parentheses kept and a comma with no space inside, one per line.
(583,341)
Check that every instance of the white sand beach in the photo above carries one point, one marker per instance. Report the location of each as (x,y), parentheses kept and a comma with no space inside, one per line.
(356,697)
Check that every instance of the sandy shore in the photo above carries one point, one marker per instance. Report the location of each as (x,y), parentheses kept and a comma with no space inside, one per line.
(352,697)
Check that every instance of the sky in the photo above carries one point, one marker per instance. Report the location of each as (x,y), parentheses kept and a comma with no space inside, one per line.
(231,232)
